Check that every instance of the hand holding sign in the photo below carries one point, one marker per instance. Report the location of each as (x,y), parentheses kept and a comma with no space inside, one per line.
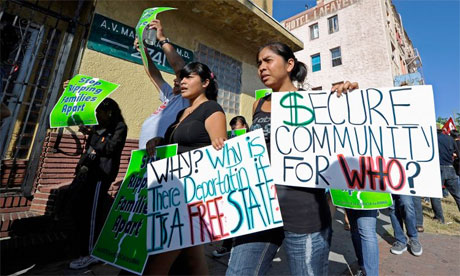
(147,16)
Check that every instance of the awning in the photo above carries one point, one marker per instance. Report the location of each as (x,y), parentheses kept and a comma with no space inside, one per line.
(243,20)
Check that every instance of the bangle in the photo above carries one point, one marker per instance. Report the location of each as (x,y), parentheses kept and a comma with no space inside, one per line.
(163,42)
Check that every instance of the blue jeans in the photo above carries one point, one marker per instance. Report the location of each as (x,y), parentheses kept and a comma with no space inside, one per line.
(450,180)
(308,254)
(252,258)
(364,236)
(418,210)
(403,211)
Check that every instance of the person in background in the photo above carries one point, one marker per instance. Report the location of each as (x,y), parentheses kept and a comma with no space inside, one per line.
(456,163)
(207,120)
(363,224)
(418,213)
(447,152)
(237,122)
(172,102)
(95,172)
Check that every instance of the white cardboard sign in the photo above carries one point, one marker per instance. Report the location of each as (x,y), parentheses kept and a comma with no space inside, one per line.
(374,139)
(206,195)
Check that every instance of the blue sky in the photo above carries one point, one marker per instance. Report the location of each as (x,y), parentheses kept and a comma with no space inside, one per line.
(434,28)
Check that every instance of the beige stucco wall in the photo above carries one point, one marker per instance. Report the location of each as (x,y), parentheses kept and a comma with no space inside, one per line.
(136,95)
(266,5)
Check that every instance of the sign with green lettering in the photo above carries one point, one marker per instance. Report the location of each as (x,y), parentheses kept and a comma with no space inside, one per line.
(78,103)
(116,39)
(122,241)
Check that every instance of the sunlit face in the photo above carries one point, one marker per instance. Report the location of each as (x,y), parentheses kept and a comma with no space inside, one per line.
(192,86)
(273,69)
(238,125)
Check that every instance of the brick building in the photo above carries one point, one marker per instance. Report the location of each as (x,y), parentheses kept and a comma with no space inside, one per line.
(359,40)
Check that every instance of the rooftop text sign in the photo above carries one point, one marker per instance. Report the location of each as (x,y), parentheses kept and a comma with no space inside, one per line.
(375,139)
(116,39)
(316,12)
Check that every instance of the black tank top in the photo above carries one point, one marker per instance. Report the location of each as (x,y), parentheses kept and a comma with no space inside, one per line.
(304,210)
(261,119)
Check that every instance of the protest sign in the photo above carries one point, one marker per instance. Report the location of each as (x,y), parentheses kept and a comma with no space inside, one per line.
(375,139)
(235,132)
(260,93)
(206,195)
(122,241)
(78,103)
(360,200)
(147,16)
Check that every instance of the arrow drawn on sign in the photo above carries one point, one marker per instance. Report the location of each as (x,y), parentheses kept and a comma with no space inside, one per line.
(115,43)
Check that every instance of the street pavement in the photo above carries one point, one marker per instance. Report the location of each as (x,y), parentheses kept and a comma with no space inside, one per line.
(441,256)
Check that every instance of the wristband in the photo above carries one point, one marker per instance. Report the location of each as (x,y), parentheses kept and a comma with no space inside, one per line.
(163,42)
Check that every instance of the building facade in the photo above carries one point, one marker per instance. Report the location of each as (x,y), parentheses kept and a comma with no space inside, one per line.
(59,39)
(358,40)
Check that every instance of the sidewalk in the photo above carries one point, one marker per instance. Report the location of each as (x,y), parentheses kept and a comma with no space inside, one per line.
(441,256)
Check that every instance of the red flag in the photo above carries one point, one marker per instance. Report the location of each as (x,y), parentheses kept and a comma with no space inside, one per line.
(449,126)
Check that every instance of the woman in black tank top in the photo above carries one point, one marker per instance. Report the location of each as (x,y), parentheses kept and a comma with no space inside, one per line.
(305,211)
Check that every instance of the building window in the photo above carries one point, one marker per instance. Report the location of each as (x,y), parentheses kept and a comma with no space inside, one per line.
(336,57)
(228,73)
(333,24)
(316,63)
(314,31)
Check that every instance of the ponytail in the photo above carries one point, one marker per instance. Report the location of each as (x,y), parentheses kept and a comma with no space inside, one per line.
(299,72)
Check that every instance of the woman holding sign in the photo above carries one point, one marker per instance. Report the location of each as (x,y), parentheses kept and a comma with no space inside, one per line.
(201,124)
(95,172)
(305,211)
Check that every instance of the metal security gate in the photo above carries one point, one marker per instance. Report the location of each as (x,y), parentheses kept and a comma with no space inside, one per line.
(32,76)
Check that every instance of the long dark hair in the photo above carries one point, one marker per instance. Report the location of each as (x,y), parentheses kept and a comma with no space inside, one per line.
(204,72)
(299,72)
(109,104)
(240,118)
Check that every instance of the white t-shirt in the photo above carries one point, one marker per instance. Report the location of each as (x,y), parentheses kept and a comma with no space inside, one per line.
(157,123)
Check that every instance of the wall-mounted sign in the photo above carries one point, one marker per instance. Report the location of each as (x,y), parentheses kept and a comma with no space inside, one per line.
(116,39)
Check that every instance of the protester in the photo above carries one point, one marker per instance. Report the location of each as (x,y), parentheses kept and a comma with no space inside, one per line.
(447,151)
(364,236)
(172,102)
(403,211)
(418,213)
(207,119)
(96,170)
(237,122)
(305,211)
(456,163)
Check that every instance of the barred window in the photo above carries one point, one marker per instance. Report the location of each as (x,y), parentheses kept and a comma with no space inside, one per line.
(228,73)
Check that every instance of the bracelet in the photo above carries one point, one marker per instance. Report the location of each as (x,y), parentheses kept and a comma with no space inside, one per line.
(163,42)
